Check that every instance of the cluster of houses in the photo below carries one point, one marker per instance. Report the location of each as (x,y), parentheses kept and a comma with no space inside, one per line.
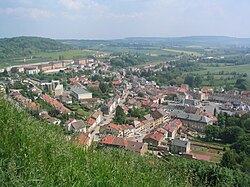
(171,113)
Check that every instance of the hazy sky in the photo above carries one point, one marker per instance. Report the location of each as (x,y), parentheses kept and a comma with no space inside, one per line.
(109,19)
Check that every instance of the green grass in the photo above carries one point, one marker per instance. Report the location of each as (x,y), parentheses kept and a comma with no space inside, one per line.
(217,82)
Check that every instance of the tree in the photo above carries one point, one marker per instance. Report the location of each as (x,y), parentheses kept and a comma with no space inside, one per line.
(103,87)
(212,132)
(231,134)
(197,81)
(189,79)
(215,112)
(229,159)
(120,116)
(241,84)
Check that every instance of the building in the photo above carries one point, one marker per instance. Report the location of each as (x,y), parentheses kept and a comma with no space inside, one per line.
(116,130)
(79,92)
(59,90)
(31,70)
(180,145)
(75,125)
(193,121)
(153,139)
(45,67)
(124,143)
(98,117)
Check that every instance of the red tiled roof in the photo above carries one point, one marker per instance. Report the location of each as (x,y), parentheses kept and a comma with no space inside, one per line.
(116,82)
(170,128)
(161,130)
(91,121)
(182,90)
(176,122)
(154,135)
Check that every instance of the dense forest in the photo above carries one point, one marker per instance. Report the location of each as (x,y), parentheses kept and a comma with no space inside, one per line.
(27,46)
(36,154)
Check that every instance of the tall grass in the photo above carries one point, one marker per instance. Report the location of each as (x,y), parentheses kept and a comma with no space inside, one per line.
(37,154)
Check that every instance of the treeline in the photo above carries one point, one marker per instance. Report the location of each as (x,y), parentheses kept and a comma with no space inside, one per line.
(125,60)
(175,75)
(37,154)
(27,46)
(233,130)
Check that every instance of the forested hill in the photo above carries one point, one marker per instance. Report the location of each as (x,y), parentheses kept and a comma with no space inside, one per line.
(26,46)
(35,154)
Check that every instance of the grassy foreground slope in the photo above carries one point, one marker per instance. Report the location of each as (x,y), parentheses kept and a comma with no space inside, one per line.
(35,154)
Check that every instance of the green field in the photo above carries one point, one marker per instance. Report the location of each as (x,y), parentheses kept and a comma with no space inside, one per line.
(227,69)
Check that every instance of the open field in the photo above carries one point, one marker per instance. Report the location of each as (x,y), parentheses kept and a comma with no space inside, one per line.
(227,77)
(192,53)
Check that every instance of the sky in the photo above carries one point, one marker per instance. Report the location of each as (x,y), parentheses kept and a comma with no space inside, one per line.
(113,19)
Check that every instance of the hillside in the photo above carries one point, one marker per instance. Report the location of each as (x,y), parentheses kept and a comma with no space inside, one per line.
(27,46)
(36,154)
(204,41)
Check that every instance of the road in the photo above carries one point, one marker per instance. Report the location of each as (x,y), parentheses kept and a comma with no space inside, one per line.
(107,118)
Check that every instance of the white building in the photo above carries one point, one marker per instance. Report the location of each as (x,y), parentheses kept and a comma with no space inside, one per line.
(79,92)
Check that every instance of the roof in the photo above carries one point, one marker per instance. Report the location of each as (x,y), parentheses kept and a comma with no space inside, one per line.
(59,87)
(113,140)
(156,114)
(120,127)
(155,136)
(176,122)
(91,121)
(190,117)
(96,114)
(79,90)
(123,142)
(134,146)
(83,139)
(161,130)
(78,125)
(171,128)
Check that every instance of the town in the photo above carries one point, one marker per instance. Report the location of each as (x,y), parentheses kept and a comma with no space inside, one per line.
(121,109)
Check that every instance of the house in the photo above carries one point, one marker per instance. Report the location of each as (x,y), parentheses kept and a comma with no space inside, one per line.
(79,92)
(162,131)
(124,143)
(98,117)
(153,139)
(171,129)
(75,125)
(116,130)
(59,106)
(149,119)
(159,117)
(180,145)
(54,121)
(91,122)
